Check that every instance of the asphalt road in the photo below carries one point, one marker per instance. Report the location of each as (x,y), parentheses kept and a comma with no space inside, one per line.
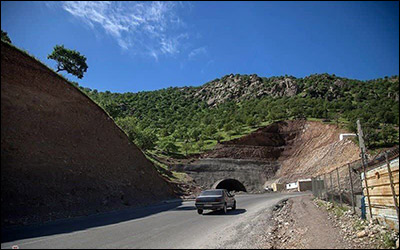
(171,225)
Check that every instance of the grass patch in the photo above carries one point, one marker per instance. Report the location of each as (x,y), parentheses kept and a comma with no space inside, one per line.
(339,210)
(388,241)
(332,207)
(164,171)
(359,225)
(320,203)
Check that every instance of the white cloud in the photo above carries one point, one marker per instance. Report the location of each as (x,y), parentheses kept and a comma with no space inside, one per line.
(150,28)
(196,52)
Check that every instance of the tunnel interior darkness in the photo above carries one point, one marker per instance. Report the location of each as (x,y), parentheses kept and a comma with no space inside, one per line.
(230,185)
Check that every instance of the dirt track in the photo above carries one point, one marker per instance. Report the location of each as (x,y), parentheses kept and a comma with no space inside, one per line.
(303,225)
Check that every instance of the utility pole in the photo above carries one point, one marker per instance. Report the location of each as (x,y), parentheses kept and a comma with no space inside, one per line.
(364,162)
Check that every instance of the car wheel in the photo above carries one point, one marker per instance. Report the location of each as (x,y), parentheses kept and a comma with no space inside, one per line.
(234,206)
(225,209)
(199,211)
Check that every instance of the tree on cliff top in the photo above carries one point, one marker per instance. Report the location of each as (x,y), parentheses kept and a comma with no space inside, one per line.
(4,36)
(69,60)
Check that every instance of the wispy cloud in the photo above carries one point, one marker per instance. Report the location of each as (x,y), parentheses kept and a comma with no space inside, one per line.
(151,28)
(196,52)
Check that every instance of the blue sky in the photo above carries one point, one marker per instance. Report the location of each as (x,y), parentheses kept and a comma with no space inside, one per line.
(140,46)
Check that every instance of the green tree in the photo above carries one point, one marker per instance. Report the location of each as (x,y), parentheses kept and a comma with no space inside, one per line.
(128,125)
(210,131)
(200,145)
(69,60)
(146,140)
(218,137)
(238,129)
(168,146)
(389,135)
(4,37)
(186,146)
(228,126)
(195,134)
(251,121)
(164,132)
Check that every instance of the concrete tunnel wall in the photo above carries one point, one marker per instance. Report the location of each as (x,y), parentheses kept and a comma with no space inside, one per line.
(230,185)
(251,173)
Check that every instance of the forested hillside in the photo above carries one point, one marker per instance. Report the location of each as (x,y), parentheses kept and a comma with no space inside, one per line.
(192,119)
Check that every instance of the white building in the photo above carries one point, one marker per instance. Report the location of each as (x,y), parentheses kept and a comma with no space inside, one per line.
(292,185)
(344,136)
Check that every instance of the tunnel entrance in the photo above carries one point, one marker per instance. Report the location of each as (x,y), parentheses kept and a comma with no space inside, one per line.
(230,185)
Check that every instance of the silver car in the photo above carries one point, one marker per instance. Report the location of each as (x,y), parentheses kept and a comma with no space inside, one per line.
(215,199)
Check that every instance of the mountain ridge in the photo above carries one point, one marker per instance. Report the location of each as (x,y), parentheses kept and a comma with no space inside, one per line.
(236,103)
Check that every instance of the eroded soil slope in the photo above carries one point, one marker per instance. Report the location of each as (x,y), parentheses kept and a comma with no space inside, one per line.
(302,148)
(62,155)
(315,150)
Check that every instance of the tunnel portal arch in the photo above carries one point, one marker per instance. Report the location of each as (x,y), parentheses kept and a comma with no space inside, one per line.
(230,185)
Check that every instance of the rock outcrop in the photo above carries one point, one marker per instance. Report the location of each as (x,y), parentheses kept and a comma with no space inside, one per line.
(243,87)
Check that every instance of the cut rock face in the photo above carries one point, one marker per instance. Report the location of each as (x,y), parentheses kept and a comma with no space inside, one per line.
(286,150)
(61,154)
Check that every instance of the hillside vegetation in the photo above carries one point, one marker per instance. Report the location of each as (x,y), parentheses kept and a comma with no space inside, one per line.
(193,119)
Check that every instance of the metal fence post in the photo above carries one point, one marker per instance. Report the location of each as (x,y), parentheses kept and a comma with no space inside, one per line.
(352,190)
(321,187)
(364,161)
(331,187)
(312,186)
(340,191)
(325,190)
(365,164)
(392,185)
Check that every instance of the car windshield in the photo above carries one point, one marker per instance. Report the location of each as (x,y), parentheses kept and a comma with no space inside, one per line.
(211,192)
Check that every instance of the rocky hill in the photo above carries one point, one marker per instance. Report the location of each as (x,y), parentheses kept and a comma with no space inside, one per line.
(239,87)
(244,87)
(61,154)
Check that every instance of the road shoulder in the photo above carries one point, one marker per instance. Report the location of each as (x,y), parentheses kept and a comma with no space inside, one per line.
(303,223)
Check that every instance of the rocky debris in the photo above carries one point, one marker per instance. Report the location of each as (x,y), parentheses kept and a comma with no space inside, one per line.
(302,223)
(188,191)
(283,232)
(280,205)
(363,233)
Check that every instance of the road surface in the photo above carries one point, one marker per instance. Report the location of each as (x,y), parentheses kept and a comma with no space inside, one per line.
(169,225)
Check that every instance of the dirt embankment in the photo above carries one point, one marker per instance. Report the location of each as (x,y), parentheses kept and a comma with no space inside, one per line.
(302,148)
(61,154)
